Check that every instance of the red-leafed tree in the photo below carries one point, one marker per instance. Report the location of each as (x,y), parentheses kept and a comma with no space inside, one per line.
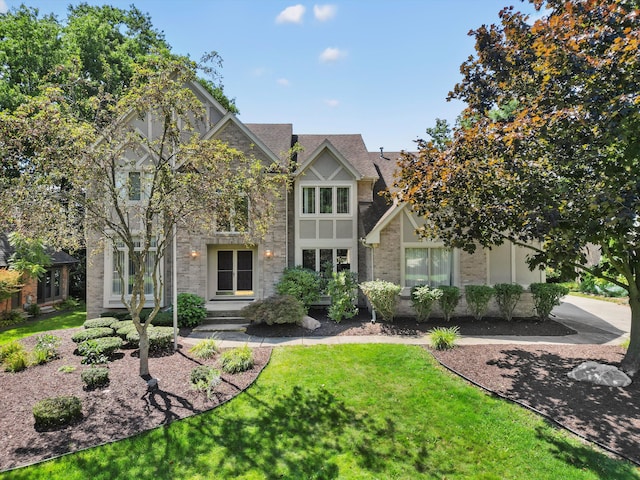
(548,148)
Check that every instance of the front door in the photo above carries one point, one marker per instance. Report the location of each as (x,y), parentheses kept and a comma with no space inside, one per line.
(233,272)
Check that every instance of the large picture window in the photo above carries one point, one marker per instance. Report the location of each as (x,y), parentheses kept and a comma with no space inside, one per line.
(427,266)
(122,263)
(326,200)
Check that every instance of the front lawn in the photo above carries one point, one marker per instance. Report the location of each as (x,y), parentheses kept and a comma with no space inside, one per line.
(68,319)
(347,411)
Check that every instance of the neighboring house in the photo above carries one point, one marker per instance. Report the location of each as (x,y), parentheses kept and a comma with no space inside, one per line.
(53,287)
(332,214)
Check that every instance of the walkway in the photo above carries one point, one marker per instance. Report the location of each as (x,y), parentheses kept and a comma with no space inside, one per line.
(596,321)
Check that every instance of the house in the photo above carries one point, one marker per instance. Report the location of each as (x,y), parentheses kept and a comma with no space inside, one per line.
(52,288)
(333,214)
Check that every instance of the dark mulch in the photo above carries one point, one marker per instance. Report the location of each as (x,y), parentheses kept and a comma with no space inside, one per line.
(361,325)
(125,407)
(536,375)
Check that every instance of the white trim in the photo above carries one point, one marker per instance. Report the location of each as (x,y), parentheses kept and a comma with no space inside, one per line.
(326,145)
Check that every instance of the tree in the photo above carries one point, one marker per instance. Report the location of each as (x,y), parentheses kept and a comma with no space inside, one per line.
(548,148)
(186,180)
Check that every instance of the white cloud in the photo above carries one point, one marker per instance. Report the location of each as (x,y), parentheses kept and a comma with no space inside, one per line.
(3,6)
(333,103)
(324,12)
(257,72)
(332,55)
(291,14)
(283,82)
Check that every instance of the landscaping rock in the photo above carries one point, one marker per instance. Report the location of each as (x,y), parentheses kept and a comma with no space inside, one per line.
(310,323)
(600,374)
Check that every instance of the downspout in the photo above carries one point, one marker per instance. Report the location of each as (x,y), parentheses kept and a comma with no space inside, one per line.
(370,246)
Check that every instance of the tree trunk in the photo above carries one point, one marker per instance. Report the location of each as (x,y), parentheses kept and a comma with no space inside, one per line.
(631,361)
(144,352)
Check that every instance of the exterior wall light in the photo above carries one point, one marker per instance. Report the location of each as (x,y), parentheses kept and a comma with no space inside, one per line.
(268,254)
(194,253)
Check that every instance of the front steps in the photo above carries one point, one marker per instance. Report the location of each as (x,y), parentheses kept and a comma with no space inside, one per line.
(224,316)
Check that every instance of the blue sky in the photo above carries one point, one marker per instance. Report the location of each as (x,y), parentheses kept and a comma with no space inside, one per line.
(379,68)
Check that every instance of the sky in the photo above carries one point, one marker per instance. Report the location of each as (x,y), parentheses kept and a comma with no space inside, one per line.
(379,68)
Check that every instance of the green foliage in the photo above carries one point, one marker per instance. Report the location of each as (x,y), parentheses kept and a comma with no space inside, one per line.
(10,317)
(117,314)
(205,349)
(163,319)
(16,361)
(275,309)
(10,283)
(160,338)
(507,297)
(191,310)
(10,348)
(423,298)
(478,297)
(67,369)
(60,321)
(99,350)
(444,338)
(205,378)
(46,348)
(95,377)
(448,301)
(90,333)
(237,359)
(342,289)
(546,296)
(383,297)
(599,286)
(300,283)
(56,411)
(123,328)
(99,322)
(29,256)
(68,303)
(625,343)
(33,310)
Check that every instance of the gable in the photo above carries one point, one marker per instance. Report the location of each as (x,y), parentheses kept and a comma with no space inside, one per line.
(327,164)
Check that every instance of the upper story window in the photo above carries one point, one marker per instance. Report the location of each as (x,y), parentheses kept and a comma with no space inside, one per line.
(234,218)
(326,200)
(135,186)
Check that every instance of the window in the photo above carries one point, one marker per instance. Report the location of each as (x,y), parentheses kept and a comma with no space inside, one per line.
(121,258)
(135,186)
(233,218)
(326,200)
(318,258)
(427,266)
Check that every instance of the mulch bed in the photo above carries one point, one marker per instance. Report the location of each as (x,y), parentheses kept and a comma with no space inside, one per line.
(125,407)
(536,376)
(361,325)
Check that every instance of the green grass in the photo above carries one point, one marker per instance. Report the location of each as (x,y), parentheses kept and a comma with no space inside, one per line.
(618,300)
(69,319)
(347,412)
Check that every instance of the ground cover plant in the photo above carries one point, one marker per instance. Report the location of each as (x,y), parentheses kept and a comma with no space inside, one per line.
(370,420)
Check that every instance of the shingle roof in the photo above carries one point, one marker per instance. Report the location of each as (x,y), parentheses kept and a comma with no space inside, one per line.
(276,136)
(351,146)
(57,258)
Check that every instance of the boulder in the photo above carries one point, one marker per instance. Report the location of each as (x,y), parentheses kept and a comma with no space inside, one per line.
(310,323)
(600,374)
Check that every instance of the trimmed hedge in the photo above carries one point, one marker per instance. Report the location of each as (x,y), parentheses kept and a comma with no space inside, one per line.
(95,377)
(275,309)
(163,319)
(99,322)
(160,338)
(56,411)
(100,346)
(91,333)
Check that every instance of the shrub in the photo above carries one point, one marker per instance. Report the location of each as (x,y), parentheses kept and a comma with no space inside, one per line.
(163,319)
(191,310)
(33,310)
(91,333)
(423,298)
(448,301)
(275,309)
(99,322)
(237,359)
(95,377)
(117,314)
(546,296)
(13,356)
(10,348)
(478,297)
(205,349)
(67,369)
(300,283)
(444,338)
(67,304)
(507,297)
(383,297)
(56,411)
(342,289)
(46,348)
(123,328)
(10,317)
(160,338)
(98,350)
(205,379)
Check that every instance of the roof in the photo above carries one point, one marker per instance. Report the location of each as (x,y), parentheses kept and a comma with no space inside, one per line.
(350,146)
(57,258)
(276,136)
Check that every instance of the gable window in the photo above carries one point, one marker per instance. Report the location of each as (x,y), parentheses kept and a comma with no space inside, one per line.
(326,200)
(427,266)
(121,259)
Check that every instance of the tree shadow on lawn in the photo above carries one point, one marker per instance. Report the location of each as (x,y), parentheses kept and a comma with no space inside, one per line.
(607,415)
